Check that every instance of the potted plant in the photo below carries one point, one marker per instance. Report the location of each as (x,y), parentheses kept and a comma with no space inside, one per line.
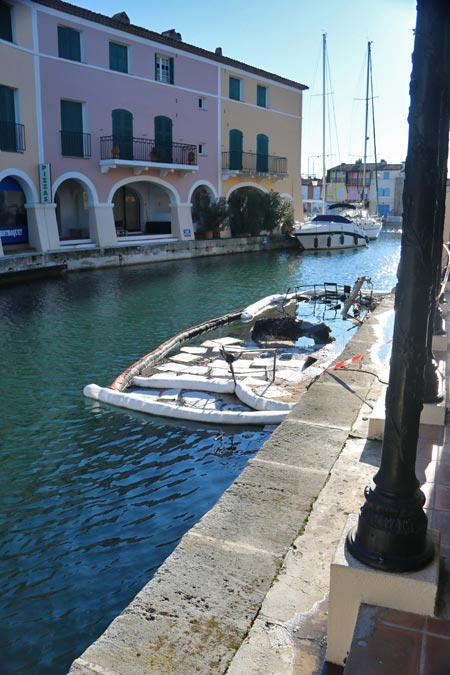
(215,217)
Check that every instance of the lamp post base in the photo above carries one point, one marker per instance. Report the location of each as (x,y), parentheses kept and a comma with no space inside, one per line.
(382,557)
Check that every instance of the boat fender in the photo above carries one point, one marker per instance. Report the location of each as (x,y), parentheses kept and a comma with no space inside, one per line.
(253,400)
(141,403)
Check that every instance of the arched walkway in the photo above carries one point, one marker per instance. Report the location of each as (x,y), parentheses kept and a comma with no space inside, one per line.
(201,197)
(149,206)
(13,215)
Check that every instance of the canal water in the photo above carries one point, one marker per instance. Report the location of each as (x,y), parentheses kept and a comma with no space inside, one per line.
(93,499)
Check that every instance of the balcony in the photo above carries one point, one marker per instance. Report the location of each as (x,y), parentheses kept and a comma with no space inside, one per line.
(142,154)
(12,137)
(75,144)
(251,164)
(358,182)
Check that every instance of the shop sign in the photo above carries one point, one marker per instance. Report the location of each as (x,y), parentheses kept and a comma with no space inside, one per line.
(45,183)
(14,235)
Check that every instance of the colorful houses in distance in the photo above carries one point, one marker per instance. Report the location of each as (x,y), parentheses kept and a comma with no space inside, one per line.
(378,185)
(109,131)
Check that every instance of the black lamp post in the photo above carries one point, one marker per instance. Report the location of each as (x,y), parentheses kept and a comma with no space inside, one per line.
(391,533)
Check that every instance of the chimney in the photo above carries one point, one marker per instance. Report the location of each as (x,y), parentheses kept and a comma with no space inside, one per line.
(218,51)
(122,17)
(172,34)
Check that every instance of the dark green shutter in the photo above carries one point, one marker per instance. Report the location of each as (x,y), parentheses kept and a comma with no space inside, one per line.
(163,138)
(261,96)
(235,89)
(8,140)
(71,129)
(69,45)
(122,123)
(236,143)
(5,22)
(118,57)
(171,77)
(262,153)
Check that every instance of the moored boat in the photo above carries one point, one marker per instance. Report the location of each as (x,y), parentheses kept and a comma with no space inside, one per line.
(251,370)
(328,231)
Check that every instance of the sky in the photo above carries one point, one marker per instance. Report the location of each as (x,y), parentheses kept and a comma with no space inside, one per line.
(285,37)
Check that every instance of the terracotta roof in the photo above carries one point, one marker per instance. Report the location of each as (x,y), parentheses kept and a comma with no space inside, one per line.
(87,14)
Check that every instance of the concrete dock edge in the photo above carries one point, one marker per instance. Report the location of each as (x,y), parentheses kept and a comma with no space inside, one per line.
(247,584)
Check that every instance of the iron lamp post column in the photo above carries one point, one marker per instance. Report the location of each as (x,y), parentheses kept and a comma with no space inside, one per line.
(391,533)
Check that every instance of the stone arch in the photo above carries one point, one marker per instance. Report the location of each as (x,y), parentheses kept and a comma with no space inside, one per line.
(74,196)
(25,183)
(17,196)
(200,197)
(173,193)
(145,205)
(239,186)
(88,185)
(207,185)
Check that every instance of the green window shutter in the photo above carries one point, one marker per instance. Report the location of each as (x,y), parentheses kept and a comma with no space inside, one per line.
(261,98)
(8,140)
(163,138)
(262,153)
(236,144)
(156,66)
(171,71)
(5,22)
(122,128)
(69,44)
(235,89)
(118,57)
(72,129)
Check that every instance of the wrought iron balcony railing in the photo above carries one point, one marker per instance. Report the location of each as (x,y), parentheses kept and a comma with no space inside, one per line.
(250,162)
(147,150)
(75,144)
(12,137)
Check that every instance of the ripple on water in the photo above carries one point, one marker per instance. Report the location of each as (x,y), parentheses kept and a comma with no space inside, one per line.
(94,499)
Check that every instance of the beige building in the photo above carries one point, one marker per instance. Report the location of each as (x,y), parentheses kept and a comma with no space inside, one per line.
(261,133)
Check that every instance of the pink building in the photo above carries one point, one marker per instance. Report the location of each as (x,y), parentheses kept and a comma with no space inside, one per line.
(122,127)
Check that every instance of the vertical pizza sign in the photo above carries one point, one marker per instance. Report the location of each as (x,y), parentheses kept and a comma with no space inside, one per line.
(45,183)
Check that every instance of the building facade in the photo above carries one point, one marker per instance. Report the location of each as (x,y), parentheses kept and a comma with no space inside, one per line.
(109,130)
(380,185)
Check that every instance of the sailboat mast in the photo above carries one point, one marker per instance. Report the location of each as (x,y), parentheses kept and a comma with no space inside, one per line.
(366,138)
(373,127)
(324,185)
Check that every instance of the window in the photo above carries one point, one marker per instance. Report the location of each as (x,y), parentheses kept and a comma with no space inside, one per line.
(74,143)
(5,22)
(261,96)
(386,175)
(118,57)
(163,139)
(69,43)
(164,69)
(384,192)
(236,145)
(11,134)
(202,149)
(122,128)
(203,103)
(262,153)
(235,89)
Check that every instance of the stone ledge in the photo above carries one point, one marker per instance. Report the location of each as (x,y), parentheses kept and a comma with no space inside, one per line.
(196,611)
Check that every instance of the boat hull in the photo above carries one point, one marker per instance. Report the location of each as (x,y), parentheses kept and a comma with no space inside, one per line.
(321,239)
